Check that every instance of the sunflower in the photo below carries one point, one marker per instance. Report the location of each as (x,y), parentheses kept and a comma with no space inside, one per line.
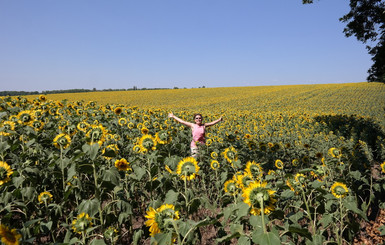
(37,125)
(5,173)
(45,197)
(163,137)
(144,130)
(118,110)
(230,186)
(215,164)
(8,126)
(42,98)
(300,179)
(257,195)
(243,180)
(25,117)
(130,125)
(147,142)
(122,165)
(62,140)
(157,218)
(230,154)
(110,151)
(122,121)
(254,169)
(339,190)
(187,168)
(82,126)
(295,162)
(9,236)
(334,152)
(214,155)
(383,167)
(96,134)
(81,223)
(279,164)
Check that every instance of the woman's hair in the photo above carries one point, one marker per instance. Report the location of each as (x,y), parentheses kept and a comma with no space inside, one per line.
(197,114)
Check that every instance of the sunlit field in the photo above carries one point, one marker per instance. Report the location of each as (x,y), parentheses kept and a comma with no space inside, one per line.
(301,164)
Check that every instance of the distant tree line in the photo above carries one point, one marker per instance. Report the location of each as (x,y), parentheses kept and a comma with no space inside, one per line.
(16,93)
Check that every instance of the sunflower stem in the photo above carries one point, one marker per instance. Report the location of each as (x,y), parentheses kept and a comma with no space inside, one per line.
(308,210)
(263,215)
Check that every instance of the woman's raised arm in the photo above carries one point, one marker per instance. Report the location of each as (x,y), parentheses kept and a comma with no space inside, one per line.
(188,124)
(214,122)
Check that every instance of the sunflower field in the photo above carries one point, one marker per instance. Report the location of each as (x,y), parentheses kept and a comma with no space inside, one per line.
(300,164)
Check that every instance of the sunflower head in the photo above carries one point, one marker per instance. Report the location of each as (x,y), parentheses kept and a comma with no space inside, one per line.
(62,140)
(147,142)
(230,154)
(163,137)
(254,169)
(81,223)
(25,117)
(279,164)
(9,236)
(258,197)
(214,155)
(122,165)
(5,173)
(339,190)
(187,168)
(45,197)
(215,164)
(334,152)
(231,187)
(157,219)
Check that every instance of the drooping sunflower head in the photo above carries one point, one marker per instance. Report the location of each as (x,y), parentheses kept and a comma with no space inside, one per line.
(45,197)
(334,152)
(187,168)
(62,140)
(163,137)
(110,151)
(122,165)
(81,223)
(257,196)
(37,125)
(147,142)
(300,179)
(122,121)
(25,117)
(339,190)
(214,155)
(230,154)
(157,218)
(215,164)
(83,126)
(9,236)
(96,134)
(295,162)
(231,187)
(254,169)
(243,180)
(279,164)
(5,173)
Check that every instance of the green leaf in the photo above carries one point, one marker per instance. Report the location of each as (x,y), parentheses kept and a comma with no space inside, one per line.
(138,172)
(4,146)
(97,242)
(351,204)
(163,238)
(136,238)
(382,230)
(111,175)
(244,240)
(266,239)
(171,197)
(91,207)
(300,231)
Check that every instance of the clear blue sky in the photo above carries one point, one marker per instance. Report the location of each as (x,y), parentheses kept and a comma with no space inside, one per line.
(102,44)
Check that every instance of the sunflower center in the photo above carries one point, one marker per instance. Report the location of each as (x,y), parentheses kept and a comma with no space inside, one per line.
(188,168)
(339,190)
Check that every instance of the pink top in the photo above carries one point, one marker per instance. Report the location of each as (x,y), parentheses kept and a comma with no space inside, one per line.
(198,134)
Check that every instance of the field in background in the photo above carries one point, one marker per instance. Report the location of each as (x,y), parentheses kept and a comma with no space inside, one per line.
(364,99)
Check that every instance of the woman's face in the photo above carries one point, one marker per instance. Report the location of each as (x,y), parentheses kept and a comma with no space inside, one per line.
(198,119)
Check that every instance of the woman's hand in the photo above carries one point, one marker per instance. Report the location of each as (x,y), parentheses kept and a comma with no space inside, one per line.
(170,115)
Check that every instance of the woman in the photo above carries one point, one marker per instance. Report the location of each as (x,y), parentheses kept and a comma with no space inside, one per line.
(197,129)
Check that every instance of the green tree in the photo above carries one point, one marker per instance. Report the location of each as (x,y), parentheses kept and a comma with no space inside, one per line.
(366,21)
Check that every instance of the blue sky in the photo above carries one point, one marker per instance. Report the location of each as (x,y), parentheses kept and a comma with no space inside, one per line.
(102,44)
